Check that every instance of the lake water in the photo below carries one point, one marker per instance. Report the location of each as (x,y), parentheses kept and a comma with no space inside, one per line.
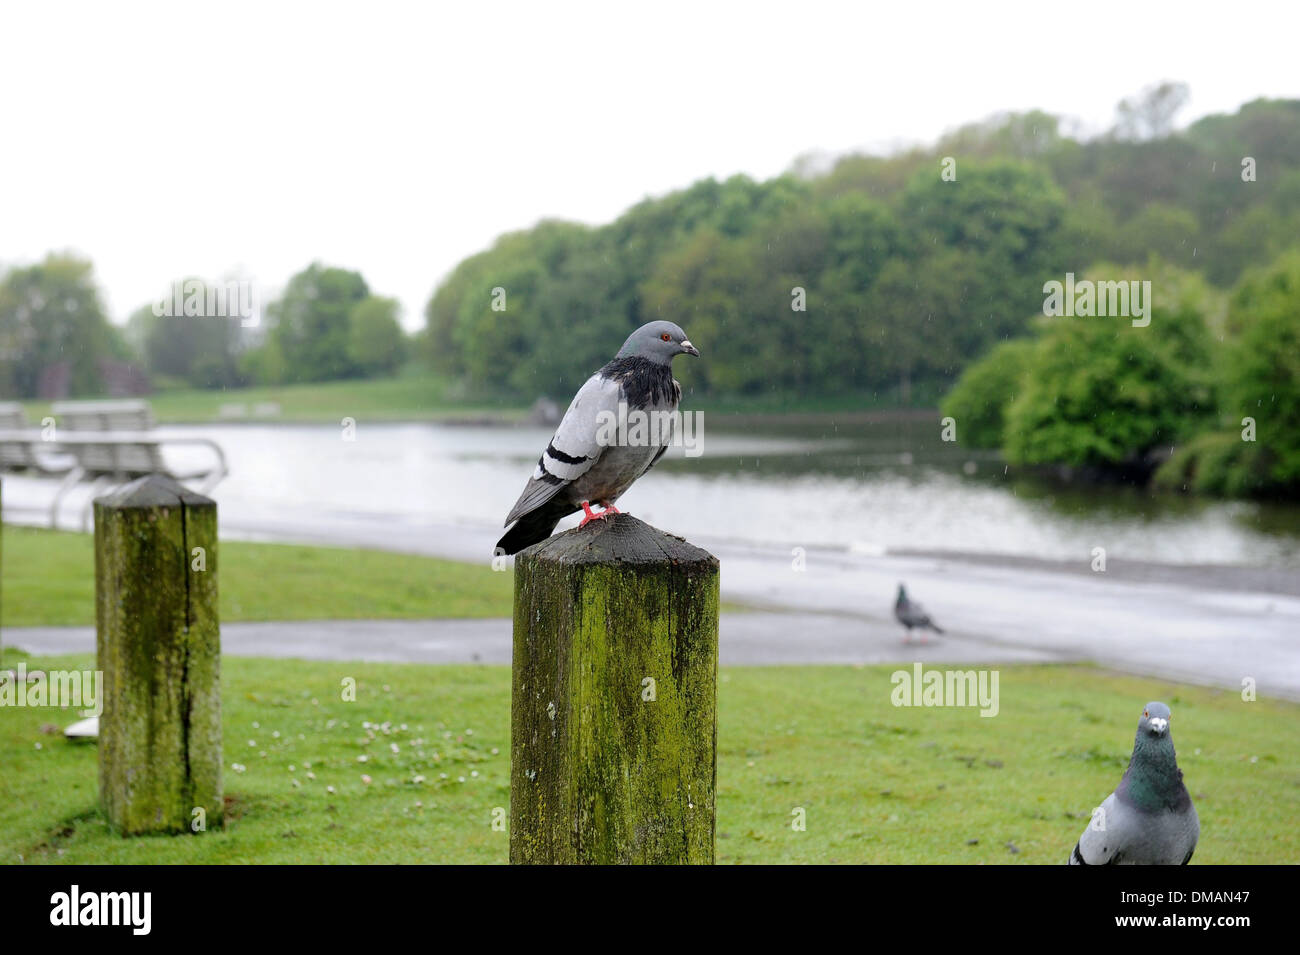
(854,482)
(874,502)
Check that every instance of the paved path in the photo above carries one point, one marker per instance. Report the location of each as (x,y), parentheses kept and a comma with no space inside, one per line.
(745,638)
(1207,625)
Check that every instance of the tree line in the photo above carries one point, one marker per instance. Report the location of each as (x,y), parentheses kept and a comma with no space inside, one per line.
(880,277)
(326,325)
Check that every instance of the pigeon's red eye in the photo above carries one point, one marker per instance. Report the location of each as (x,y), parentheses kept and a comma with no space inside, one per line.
(666,337)
(1145,713)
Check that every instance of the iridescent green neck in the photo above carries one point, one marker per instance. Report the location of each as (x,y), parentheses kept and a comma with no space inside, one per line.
(1153,781)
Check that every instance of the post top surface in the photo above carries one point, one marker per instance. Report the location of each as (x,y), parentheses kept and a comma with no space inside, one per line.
(154,490)
(619,538)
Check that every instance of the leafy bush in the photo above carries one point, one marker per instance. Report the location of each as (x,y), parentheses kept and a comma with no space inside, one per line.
(1262,372)
(1103,393)
(979,400)
(1218,462)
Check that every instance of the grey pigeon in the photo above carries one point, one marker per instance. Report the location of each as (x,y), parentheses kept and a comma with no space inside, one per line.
(911,614)
(578,467)
(1149,819)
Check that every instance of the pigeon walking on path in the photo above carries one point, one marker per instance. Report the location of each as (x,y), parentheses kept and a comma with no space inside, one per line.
(1149,819)
(911,614)
(582,465)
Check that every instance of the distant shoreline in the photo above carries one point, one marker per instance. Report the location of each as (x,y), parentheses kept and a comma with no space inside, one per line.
(1230,577)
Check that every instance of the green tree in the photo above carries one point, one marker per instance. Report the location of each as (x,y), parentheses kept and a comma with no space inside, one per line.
(1004,212)
(1150,114)
(1158,229)
(704,288)
(311,323)
(51,314)
(979,400)
(1105,394)
(201,350)
(376,343)
(262,364)
(1263,373)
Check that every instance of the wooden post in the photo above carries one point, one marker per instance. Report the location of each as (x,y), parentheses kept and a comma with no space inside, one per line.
(613,739)
(2,636)
(159,648)
(1,561)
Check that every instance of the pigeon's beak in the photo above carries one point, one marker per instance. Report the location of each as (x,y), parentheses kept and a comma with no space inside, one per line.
(1158,725)
(689,348)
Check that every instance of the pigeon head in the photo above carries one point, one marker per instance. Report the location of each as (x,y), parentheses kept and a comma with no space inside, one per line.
(1155,721)
(659,342)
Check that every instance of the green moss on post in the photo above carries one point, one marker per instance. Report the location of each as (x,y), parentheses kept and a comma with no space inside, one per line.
(606,617)
(2,638)
(159,647)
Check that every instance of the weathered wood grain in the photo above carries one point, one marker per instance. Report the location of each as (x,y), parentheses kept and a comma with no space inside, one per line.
(600,773)
(159,647)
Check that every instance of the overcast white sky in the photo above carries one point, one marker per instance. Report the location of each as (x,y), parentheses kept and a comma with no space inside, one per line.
(165,140)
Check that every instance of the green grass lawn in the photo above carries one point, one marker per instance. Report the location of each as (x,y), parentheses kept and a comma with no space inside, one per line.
(47,578)
(878,783)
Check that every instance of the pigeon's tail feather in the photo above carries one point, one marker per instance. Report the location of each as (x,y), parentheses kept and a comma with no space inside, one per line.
(534,526)
(935,627)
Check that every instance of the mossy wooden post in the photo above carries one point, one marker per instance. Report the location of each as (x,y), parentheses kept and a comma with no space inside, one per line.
(2,636)
(613,740)
(159,648)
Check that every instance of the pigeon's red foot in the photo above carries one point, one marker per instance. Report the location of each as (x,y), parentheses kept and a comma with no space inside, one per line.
(593,516)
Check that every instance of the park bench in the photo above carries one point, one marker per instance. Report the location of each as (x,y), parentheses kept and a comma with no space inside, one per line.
(106,442)
(26,454)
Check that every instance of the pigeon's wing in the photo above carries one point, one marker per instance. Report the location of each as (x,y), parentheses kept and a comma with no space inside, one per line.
(1191,833)
(573,449)
(653,461)
(1194,834)
(913,614)
(923,619)
(1107,836)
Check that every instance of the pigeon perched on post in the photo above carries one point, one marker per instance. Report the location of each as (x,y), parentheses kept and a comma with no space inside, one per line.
(911,614)
(581,466)
(1149,819)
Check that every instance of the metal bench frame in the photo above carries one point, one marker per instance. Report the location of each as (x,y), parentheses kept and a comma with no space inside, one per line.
(107,454)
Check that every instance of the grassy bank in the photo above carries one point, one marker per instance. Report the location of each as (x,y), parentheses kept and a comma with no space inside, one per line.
(48,579)
(421,395)
(414,396)
(878,783)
